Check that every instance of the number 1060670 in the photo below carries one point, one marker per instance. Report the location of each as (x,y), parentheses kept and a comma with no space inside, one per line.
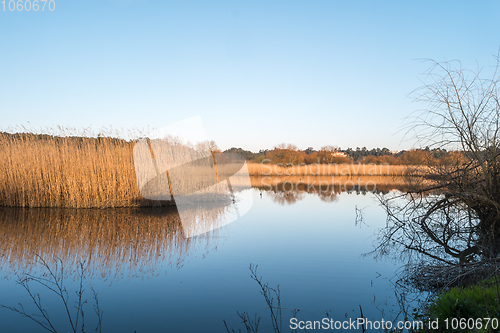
(28,5)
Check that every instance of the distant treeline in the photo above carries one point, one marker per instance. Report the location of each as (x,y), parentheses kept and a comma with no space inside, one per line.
(290,154)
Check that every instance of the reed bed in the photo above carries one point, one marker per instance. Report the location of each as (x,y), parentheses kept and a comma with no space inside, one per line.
(82,172)
(258,169)
(77,172)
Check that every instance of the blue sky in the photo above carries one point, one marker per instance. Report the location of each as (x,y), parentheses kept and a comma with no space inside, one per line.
(259,73)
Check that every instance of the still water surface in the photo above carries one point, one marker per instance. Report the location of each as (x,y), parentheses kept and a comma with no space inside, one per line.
(150,278)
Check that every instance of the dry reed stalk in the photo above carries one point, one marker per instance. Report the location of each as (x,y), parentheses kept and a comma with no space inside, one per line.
(77,172)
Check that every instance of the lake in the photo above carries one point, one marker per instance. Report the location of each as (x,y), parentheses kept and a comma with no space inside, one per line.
(151,278)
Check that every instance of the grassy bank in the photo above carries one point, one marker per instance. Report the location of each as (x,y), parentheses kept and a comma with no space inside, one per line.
(474,308)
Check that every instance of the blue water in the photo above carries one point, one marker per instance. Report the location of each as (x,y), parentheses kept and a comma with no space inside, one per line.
(312,248)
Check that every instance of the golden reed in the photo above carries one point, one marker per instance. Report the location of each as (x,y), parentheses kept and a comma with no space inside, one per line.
(78,172)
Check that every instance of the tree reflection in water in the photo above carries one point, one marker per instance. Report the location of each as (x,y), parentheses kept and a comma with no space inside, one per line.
(440,245)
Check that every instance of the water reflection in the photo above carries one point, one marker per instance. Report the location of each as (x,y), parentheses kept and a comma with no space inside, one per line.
(289,190)
(126,242)
(113,242)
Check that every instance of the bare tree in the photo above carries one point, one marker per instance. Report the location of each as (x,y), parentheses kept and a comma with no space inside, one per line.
(454,216)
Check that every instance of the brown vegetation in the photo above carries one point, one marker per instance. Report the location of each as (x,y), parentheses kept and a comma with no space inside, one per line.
(77,172)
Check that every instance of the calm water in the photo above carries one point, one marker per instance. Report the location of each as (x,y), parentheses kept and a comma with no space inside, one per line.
(150,278)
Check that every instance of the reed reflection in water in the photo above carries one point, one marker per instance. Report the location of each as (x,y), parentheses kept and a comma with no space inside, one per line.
(291,189)
(113,242)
